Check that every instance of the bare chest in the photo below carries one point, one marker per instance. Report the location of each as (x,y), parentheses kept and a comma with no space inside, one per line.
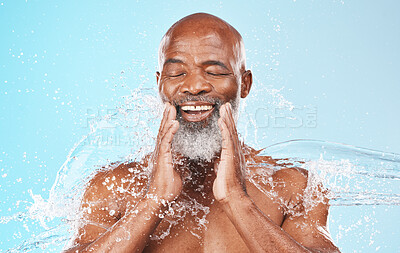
(213,232)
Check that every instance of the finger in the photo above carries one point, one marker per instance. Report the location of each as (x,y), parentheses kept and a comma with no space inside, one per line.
(163,149)
(230,123)
(231,120)
(225,131)
(237,141)
(228,152)
(164,118)
(230,117)
(227,144)
(169,116)
(235,135)
(225,115)
(166,139)
(171,113)
(165,114)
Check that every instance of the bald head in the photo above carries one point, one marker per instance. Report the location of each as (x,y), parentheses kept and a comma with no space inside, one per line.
(202,66)
(203,25)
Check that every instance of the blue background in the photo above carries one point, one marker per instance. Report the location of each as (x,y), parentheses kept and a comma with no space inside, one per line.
(65,62)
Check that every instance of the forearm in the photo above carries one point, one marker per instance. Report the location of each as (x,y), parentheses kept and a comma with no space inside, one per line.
(130,233)
(257,230)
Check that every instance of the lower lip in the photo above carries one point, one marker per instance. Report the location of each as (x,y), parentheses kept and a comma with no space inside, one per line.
(196,117)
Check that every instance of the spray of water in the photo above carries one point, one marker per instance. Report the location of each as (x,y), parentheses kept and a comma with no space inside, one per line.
(351,176)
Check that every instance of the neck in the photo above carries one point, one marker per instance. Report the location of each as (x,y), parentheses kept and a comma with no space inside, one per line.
(198,177)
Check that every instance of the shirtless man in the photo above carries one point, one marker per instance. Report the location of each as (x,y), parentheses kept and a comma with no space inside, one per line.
(198,157)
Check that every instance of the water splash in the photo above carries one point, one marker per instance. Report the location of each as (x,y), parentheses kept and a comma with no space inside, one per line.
(353,176)
(125,135)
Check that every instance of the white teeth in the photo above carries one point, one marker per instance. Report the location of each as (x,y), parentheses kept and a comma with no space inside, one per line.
(196,108)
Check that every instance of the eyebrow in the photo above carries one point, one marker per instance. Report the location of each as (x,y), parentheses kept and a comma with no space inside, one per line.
(172,60)
(218,63)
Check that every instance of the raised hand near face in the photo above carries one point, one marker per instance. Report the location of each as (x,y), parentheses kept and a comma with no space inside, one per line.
(230,180)
(166,182)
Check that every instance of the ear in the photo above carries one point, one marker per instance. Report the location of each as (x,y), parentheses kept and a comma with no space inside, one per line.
(158,76)
(247,81)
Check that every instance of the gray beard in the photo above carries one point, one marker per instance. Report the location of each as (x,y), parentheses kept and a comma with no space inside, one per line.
(200,141)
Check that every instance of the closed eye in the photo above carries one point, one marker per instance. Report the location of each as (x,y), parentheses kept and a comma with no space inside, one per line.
(177,75)
(218,74)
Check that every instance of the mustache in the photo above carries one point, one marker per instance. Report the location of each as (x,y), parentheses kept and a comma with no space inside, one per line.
(216,101)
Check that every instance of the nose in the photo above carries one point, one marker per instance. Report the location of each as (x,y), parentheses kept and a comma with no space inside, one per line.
(195,84)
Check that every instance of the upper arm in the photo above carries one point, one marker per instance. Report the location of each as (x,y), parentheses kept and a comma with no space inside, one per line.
(95,215)
(310,229)
(307,215)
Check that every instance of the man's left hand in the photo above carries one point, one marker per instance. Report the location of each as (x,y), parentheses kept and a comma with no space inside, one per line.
(230,180)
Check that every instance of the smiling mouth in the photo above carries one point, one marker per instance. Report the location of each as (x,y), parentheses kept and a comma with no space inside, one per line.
(195,111)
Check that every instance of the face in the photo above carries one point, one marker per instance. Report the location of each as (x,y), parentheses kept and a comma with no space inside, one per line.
(200,73)
(198,66)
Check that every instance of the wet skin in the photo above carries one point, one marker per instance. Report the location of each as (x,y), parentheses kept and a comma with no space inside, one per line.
(201,57)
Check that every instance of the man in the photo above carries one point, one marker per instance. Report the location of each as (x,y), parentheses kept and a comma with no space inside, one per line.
(199,162)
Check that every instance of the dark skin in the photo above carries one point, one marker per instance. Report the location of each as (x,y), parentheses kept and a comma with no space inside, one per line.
(201,55)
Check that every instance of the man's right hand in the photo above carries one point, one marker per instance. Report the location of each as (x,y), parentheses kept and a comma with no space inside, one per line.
(166,182)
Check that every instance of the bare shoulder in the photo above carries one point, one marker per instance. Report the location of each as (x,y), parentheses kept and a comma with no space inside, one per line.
(290,181)
(284,187)
(263,172)
(106,198)
(116,182)
(111,191)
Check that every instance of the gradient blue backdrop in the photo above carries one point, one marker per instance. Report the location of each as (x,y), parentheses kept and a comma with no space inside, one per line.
(62,62)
